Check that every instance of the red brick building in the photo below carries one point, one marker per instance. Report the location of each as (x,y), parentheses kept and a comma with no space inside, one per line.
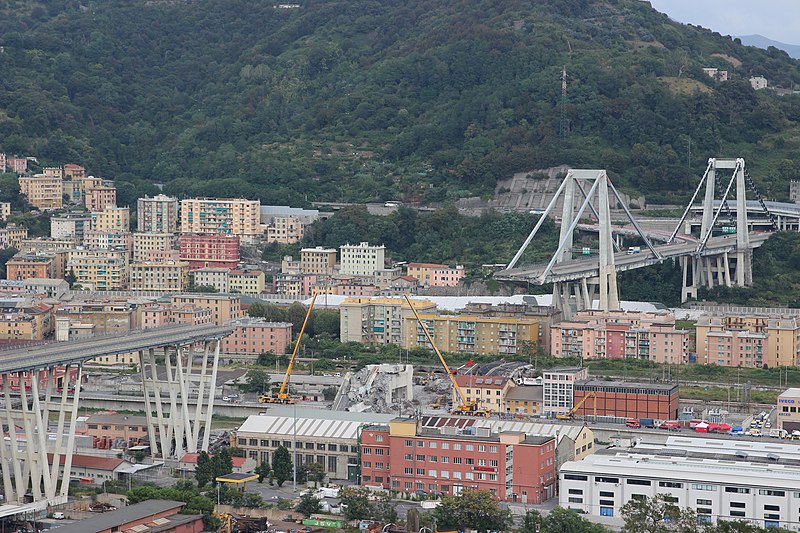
(218,251)
(162,516)
(628,400)
(255,337)
(408,457)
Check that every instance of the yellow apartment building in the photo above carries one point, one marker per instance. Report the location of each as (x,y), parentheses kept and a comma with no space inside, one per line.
(171,276)
(102,270)
(43,191)
(378,320)
(143,243)
(472,334)
(317,260)
(246,281)
(112,219)
(285,230)
(220,216)
(224,308)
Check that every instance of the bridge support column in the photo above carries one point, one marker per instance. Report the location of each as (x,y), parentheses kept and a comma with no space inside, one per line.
(174,428)
(32,465)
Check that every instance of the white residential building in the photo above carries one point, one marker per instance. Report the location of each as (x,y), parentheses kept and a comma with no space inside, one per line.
(759,82)
(212,277)
(361,259)
(718,479)
(559,388)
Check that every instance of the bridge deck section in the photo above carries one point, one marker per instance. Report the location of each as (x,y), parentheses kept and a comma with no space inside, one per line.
(61,353)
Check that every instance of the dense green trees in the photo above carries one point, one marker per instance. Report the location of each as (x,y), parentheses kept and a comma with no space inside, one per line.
(472,509)
(282,469)
(409,100)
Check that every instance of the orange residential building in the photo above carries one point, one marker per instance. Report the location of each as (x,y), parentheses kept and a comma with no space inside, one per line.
(27,266)
(98,198)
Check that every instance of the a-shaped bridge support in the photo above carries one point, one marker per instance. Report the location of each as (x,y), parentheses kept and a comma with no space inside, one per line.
(579,292)
(31,455)
(173,423)
(728,269)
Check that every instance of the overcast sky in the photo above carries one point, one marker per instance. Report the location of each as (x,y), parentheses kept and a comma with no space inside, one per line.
(776,19)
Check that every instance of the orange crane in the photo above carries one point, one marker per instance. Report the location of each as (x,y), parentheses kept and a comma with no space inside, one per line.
(464,407)
(569,414)
(283,394)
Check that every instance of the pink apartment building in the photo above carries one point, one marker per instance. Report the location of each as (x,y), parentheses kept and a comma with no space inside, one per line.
(436,275)
(255,337)
(619,335)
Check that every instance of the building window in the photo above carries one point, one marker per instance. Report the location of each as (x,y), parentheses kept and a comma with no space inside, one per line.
(606,511)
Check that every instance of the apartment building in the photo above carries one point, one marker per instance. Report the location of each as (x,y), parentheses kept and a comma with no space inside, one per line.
(621,334)
(488,392)
(100,197)
(101,270)
(218,251)
(157,315)
(112,219)
(26,266)
(220,216)
(18,165)
(107,317)
(224,308)
(436,275)
(317,260)
(253,337)
(145,243)
(546,316)
(295,284)
(716,480)
(559,388)
(43,191)
(378,320)
(211,277)
(407,456)
(285,230)
(70,225)
(757,340)
(5,210)
(167,277)
(246,281)
(108,240)
(24,325)
(473,334)
(3,162)
(158,214)
(361,259)
(12,235)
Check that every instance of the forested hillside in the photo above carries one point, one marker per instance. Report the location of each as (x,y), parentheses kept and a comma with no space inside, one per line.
(343,100)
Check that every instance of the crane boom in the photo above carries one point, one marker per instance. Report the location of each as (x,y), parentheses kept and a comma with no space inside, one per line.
(285,384)
(576,408)
(436,349)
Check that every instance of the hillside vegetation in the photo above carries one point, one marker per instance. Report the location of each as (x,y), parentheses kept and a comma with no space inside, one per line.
(355,100)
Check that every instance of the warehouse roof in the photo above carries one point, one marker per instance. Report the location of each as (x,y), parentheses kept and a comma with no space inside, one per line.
(318,423)
(708,471)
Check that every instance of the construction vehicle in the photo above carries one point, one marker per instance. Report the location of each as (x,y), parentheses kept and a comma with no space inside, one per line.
(464,407)
(571,413)
(283,394)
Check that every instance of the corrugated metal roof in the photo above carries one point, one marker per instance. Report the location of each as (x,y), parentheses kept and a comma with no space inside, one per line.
(311,422)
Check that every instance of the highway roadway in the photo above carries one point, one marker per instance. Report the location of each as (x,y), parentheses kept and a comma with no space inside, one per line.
(61,353)
(587,266)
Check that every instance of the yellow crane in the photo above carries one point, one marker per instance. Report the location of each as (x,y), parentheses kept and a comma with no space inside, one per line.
(283,394)
(569,414)
(464,407)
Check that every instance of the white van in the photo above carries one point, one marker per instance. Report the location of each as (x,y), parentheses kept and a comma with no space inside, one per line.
(58,515)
